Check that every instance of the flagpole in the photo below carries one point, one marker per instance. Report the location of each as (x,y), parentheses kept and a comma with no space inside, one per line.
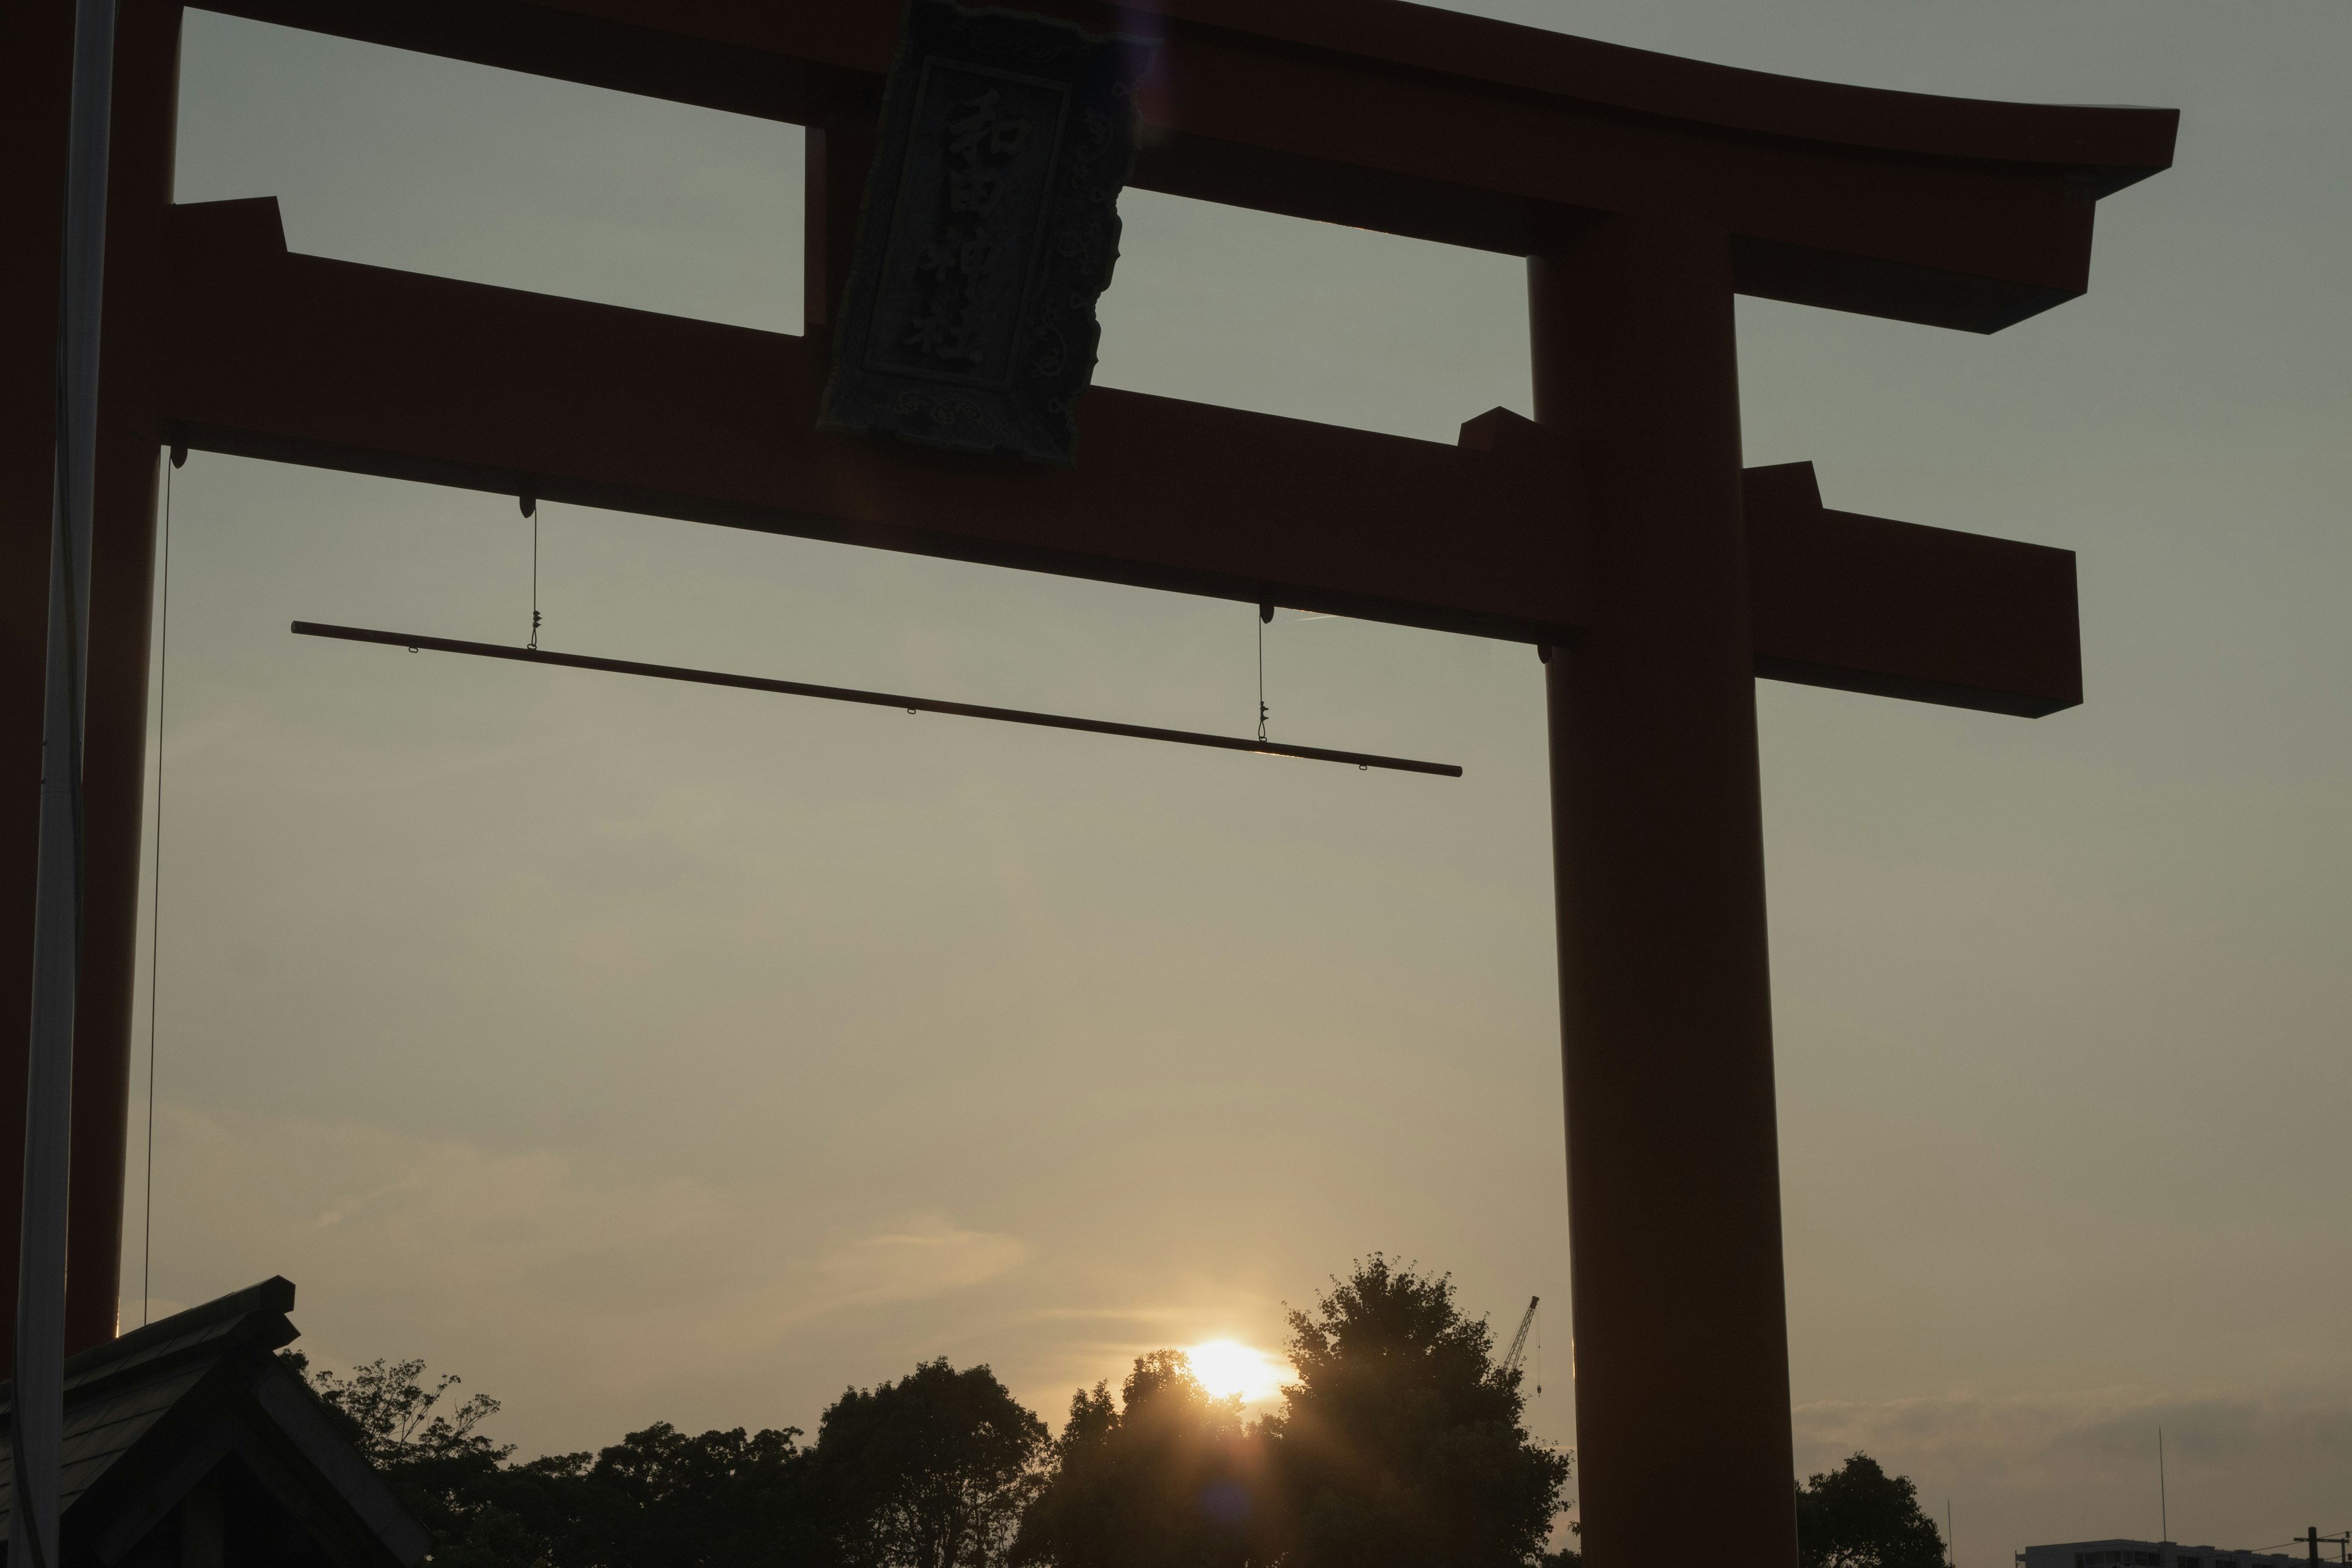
(37,1414)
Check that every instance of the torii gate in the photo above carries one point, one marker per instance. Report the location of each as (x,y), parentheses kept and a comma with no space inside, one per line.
(1616,532)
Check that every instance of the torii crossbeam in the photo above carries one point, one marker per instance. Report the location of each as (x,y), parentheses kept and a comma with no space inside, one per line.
(1616,531)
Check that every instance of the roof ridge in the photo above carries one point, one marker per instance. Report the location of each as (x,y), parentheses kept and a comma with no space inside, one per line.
(208,1323)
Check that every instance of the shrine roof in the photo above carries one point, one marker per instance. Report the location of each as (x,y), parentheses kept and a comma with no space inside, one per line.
(165,1407)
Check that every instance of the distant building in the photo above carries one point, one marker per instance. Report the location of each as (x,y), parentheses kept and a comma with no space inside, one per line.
(2150,1555)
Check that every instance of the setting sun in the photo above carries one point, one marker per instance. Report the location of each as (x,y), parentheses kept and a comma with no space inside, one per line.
(1225,1366)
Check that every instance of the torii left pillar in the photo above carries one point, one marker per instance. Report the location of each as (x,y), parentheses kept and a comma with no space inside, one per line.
(1681,1349)
(36,67)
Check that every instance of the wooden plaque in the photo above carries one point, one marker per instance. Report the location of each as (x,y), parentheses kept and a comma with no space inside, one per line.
(990,228)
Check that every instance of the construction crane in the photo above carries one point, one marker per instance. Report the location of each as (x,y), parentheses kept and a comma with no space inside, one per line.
(1518,1350)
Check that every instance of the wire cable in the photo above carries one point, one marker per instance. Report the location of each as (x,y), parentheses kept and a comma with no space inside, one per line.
(1264,613)
(531,510)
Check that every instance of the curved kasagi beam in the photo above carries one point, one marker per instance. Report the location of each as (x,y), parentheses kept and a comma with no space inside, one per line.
(1425,122)
(2123,143)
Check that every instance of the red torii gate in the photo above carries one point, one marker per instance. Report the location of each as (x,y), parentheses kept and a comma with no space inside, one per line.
(1616,531)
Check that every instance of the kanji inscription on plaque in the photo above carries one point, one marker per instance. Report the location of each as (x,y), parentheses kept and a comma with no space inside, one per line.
(990,229)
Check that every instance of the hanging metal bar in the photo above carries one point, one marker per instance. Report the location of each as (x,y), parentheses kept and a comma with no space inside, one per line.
(412,642)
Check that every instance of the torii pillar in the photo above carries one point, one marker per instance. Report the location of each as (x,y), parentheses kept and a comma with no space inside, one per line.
(1681,1349)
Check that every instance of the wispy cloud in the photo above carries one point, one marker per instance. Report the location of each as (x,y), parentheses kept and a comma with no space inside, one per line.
(927,1258)
(635,1277)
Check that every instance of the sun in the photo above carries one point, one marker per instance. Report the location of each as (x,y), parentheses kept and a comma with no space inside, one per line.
(1226,1367)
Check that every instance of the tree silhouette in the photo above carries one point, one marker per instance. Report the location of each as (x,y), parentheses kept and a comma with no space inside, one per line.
(1858,1515)
(931,1472)
(1169,1477)
(658,1498)
(1400,1441)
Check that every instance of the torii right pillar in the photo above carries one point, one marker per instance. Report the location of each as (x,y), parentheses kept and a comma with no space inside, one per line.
(1680,1330)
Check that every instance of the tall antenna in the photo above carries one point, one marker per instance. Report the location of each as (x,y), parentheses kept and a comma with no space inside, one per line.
(2163,1512)
(1951,1548)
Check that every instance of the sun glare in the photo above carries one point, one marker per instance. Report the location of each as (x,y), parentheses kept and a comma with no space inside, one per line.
(1224,1367)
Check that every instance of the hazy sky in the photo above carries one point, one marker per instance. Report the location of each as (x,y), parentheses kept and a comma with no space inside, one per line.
(642,1053)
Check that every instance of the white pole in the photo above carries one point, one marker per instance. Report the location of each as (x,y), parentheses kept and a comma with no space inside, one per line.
(38,1410)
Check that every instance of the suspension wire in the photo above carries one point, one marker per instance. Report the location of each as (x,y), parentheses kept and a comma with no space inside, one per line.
(531,510)
(1264,613)
(155,908)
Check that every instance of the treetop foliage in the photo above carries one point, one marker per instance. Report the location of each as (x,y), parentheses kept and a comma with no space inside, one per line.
(934,1470)
(1169,1478)
(1858,1515)
(1401,1442)
(393,1415)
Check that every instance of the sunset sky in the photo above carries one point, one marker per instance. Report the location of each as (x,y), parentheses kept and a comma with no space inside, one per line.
(642,1052)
